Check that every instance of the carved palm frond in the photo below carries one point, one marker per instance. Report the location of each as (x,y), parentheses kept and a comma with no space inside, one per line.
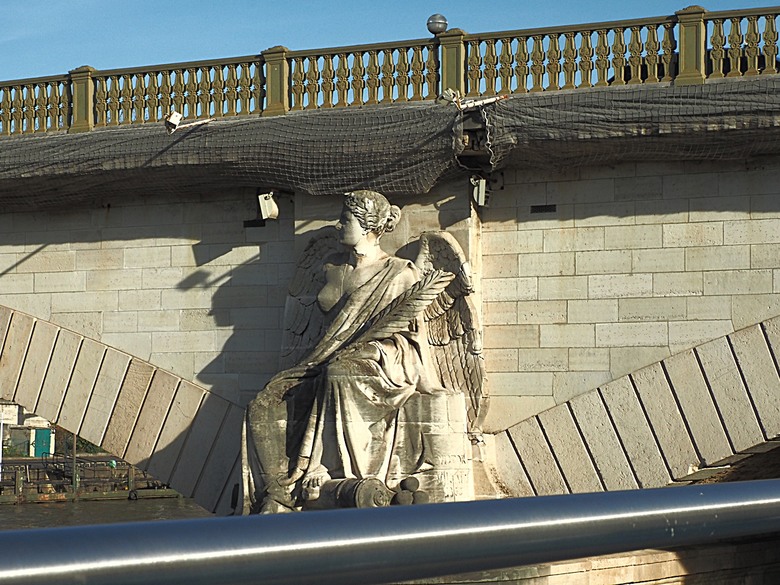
(405,307)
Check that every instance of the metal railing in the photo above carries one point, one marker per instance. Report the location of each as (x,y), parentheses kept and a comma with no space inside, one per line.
(382,545)
(689,47)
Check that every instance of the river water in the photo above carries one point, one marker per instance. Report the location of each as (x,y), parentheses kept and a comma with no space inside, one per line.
(54,514)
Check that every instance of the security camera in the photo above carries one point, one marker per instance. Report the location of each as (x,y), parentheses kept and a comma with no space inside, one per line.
(480,191)
(267,207)
(172,121)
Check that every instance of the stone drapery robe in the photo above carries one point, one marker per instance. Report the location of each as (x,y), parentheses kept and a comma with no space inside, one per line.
(339,408)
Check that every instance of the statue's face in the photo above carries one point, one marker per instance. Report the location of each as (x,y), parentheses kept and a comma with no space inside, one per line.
(350,230)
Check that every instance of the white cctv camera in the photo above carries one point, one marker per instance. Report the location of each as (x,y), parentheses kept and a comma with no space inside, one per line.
(267,207)
(172,121)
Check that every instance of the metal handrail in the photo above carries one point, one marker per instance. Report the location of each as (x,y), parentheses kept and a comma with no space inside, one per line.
(384,545)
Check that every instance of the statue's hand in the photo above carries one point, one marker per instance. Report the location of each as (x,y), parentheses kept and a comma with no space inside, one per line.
(300,469)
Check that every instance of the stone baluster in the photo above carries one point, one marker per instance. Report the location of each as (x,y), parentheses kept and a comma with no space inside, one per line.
(586,59)
(770,45)
(388,76)
(553,62)
(432,73)
(418,67)
(139,99)
(521,65)
(619,57)
(342,81)
(402,76)
(328,87)
(358,78)
(5,111)
(537,63)
(635,49)
(312,83)
(752,38)
(490,73)
(669,45)
(505,67)
(569,61)
(474,72)
(717,52)
(372,81)
(231,88)
(735,48)
(218,91)
(652,46)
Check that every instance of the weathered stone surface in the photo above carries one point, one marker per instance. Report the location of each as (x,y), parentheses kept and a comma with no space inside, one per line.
(731,397)
(758,368)
(5,320)
(103,399)
(635,433)
(199,443)
(222,458)
(183,410)
(537,458)
(510,475)
(58,374)
(36,363)
(16,341)
(151,418)
(569,449)
(602,441)
(666,420)
(227,500)
(507,411)
(694,399)
(82,381)
(128,404)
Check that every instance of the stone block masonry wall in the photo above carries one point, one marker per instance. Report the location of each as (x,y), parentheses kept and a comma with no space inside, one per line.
(179,282)
(596,272)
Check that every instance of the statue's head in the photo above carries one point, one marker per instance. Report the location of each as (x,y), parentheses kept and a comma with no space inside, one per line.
(372,211)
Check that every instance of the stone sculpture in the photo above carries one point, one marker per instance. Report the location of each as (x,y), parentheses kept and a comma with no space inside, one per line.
(365,332)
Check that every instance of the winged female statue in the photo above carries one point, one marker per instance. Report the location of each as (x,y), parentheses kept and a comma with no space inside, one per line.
(364,332)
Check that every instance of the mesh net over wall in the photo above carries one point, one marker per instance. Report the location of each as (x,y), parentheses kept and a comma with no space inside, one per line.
(728,119)
(396,149)
(399,149)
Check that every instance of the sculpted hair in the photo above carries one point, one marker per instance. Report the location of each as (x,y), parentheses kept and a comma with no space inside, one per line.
(373,211)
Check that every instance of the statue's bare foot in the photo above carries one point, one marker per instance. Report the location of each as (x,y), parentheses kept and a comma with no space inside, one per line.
(313,481)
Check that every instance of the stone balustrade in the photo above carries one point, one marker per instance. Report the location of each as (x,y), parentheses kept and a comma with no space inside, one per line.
(689,47)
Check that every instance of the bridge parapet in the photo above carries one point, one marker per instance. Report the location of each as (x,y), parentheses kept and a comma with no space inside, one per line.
(712,45)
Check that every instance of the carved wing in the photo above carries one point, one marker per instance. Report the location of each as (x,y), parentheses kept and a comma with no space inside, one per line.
(303,318)
(454,331)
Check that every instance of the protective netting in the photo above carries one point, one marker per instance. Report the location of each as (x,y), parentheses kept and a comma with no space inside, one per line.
(399,150)
(730,119)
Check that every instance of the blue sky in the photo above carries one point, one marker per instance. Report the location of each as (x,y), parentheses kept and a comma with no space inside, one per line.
(48,37)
